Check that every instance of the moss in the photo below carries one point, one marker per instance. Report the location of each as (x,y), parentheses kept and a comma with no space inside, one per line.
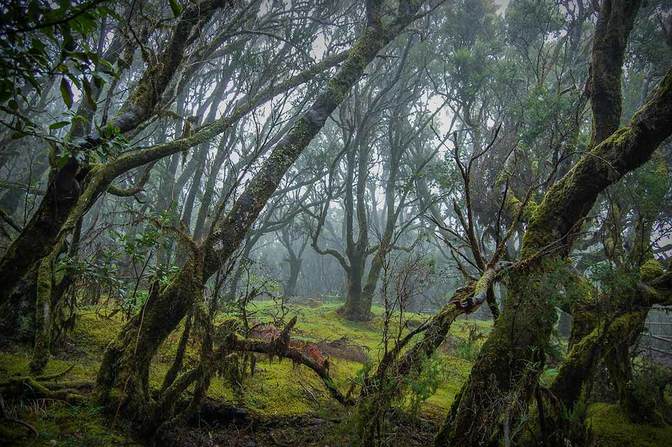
(458,372)
(613,429)
(512,204)
(94,332)
(17,364)
(57,423)
(650,269)
(61,424)
(278,388)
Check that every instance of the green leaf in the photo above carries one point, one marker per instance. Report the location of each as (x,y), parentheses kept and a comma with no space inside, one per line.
(106,67)
(66,92)
(175,7)
(74,80)
(58,125)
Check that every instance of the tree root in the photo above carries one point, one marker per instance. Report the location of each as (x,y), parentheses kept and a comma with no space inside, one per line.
(31,388)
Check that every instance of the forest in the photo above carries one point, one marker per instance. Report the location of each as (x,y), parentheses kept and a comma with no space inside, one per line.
(336,223)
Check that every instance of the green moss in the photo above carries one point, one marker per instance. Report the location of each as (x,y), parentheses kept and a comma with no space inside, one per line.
(651,269)
(94,332)
(457,373)
(613,429)
(16,364)
(277,388)
(57,423)
(62,424)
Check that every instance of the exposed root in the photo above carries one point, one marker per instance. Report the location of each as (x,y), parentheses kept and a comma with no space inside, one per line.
(56,375)
(30,388)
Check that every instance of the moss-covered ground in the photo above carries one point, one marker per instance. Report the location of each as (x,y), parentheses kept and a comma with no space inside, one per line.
(278,390)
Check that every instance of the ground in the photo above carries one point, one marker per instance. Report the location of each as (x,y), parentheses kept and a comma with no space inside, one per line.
(282,404)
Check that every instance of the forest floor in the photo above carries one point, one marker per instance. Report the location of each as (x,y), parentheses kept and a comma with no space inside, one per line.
(281,404)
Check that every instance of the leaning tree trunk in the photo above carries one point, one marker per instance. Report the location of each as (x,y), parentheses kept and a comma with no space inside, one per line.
(613,27)
(607,336)
(123,374)
(390,377)
(41,233)
(100,177)
(126,362)
(511,360)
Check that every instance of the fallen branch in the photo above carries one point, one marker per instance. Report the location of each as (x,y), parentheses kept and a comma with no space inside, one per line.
(280,347)
(56,375)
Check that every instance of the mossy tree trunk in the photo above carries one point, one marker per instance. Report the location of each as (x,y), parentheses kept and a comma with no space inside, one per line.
(512,357)
(586,356)
(614,23)
(43,231)
(610,338)
(98,179)
(123,374)
(387,382)
(591,342)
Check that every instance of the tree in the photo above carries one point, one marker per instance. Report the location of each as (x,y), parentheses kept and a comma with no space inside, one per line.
(509,363)
(125,366)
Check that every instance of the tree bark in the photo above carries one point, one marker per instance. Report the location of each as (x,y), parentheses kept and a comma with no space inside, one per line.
(64,187)
(511,360)
(123,375)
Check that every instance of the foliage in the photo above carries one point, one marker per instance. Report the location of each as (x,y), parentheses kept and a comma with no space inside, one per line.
(467,348)
(40,39)
(424,385)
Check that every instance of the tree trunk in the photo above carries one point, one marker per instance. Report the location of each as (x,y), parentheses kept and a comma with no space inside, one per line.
(356,308)
(510,362)
(123,374)
(294,270)
(41,233)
